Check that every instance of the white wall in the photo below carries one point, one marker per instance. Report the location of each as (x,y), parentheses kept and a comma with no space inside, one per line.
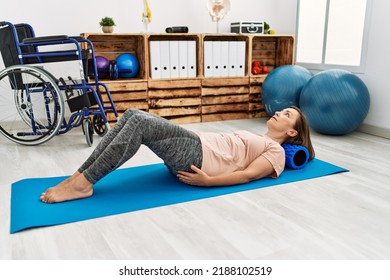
(72,17)
(77,16)
(377,74)
(286,12)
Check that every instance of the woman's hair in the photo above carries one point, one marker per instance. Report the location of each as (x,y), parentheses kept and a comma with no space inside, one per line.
(303,136)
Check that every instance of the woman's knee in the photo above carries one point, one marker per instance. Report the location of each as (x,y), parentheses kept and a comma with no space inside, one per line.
(130,112)
(133,115)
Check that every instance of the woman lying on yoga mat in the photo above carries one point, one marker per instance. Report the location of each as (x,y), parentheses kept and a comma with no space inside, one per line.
(196,158)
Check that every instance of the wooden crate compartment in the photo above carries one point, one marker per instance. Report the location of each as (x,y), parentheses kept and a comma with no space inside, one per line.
(224,99)
(186,119)
(176,83)
(127,100)
(126,85)
(284,51)
(257,79)
(256,106)
(125,91)
(224,116)
(126,95)
(227,37)
(176,111)
(272,50)
(225,81)
(179,115)
(166,98)
(218,91)
(176,37)
(110,45)
(181,105)
(225,103)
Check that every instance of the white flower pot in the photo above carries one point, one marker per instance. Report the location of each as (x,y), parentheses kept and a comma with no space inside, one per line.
(108,29)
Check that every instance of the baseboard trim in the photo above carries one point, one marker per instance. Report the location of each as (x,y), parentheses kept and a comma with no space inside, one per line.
(375,130)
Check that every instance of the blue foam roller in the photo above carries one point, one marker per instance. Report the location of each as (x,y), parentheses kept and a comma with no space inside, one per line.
(297,156)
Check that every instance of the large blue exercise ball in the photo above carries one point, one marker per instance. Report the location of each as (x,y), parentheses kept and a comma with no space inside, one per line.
(335,102)
(127,65)
(282,87)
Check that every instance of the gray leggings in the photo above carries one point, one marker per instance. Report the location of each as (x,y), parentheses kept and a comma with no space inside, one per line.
(176,146)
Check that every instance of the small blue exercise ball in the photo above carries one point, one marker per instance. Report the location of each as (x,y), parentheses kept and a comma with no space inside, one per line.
(282,87)
(335,102)
(127,65)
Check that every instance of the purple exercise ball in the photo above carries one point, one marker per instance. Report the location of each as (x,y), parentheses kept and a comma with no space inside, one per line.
(103,66)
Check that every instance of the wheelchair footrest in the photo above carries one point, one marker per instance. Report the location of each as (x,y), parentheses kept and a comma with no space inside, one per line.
(82,101)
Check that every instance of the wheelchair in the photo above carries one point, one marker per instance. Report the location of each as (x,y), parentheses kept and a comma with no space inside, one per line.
(41,75)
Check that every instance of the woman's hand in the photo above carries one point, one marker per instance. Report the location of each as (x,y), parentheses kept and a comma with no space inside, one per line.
(199,178)
(259,168)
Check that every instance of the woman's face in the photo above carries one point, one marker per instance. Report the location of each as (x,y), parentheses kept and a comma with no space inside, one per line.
(284,121)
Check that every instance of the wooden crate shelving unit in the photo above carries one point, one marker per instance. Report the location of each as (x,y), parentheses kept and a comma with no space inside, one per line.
(189,100)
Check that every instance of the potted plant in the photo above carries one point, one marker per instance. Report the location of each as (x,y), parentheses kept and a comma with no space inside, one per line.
(107,24)
(266,27)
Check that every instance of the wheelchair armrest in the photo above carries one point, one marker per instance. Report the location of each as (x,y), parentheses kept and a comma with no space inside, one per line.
(77,38)
(45,39)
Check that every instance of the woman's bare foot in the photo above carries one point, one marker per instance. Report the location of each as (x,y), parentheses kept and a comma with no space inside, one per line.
(75,187)
(69,179)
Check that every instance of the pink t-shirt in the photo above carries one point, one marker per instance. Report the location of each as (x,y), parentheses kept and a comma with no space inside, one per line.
(225,153)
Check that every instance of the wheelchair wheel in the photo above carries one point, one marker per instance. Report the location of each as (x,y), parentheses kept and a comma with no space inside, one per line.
(88,131)
(31,105)
(99,125)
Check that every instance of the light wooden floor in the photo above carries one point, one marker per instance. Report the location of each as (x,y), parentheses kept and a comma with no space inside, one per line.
(343,216)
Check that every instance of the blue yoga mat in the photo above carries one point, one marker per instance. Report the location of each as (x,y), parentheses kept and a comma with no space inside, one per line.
(130,189)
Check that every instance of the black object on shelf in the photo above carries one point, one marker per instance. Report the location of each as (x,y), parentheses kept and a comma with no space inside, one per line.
(177,29)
